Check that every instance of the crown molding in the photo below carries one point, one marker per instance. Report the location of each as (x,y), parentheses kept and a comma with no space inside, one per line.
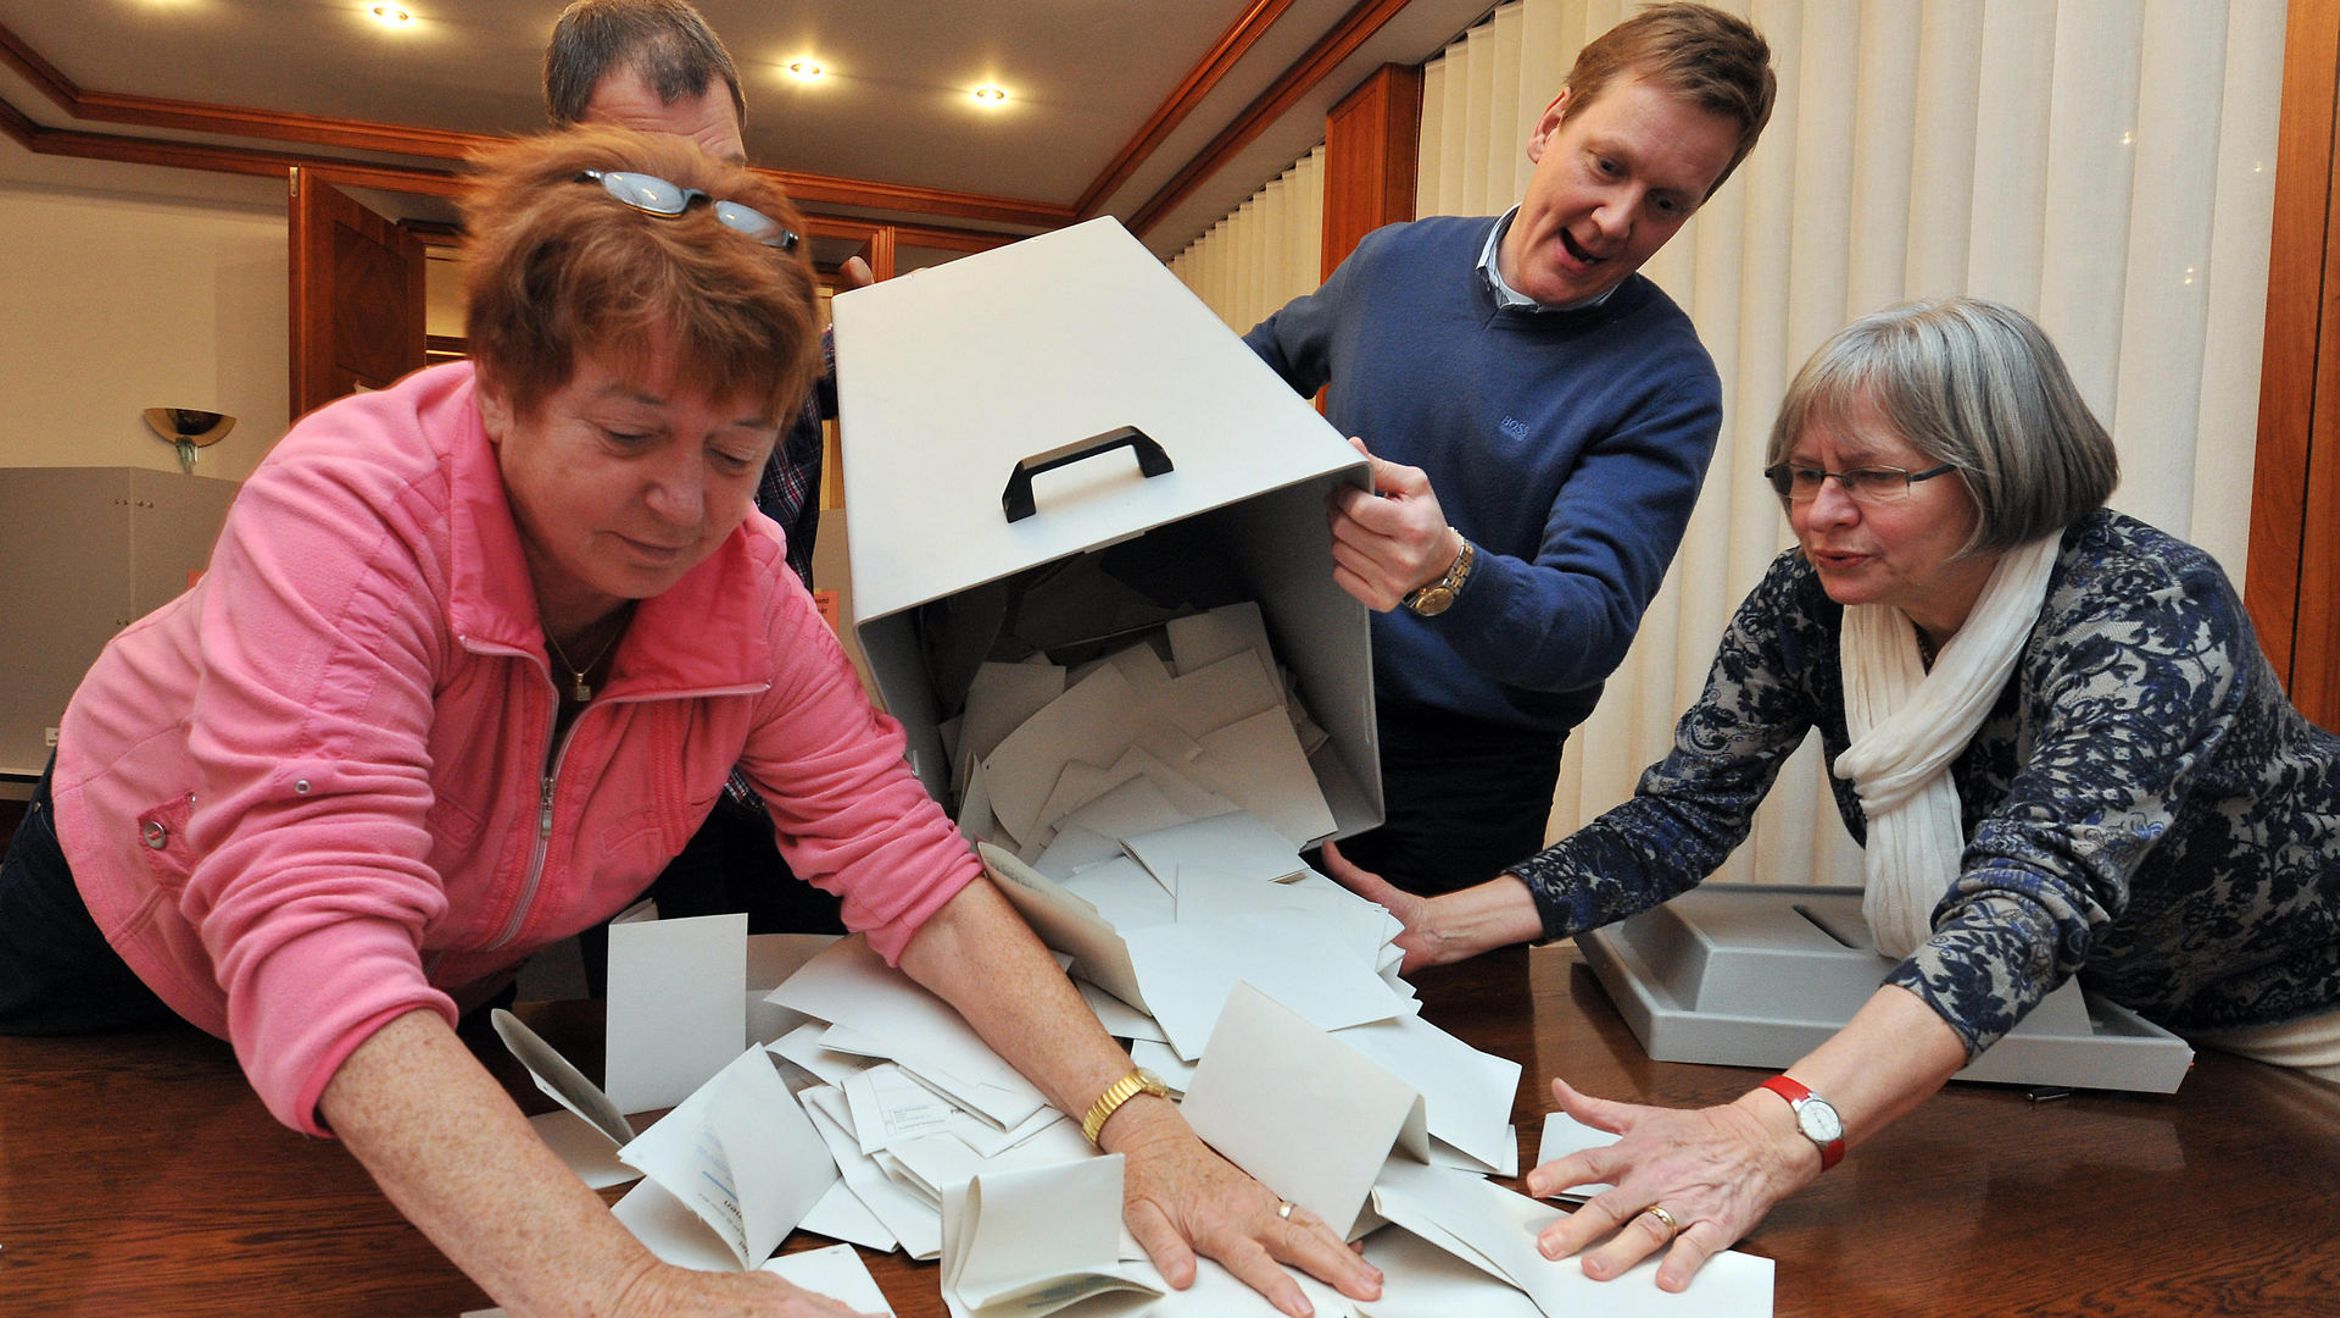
(1224,54)
(1315,65)
(393,139)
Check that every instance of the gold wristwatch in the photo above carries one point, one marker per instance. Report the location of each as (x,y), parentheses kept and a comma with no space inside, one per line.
(1438,596)
(1138,1081)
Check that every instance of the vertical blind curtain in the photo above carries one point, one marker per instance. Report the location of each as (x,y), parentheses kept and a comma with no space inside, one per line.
(1266,252)
(2105,165)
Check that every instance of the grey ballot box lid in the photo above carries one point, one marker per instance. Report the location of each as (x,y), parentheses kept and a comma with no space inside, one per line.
(950,377)
(1759,975)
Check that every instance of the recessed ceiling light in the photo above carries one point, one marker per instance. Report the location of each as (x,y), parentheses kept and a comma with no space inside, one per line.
(392,15)
(807,70)
(991,94)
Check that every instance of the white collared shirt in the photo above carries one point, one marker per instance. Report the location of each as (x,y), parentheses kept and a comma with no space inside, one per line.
(1491,266)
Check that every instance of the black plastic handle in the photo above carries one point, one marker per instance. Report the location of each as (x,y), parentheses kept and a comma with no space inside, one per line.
(1016,499)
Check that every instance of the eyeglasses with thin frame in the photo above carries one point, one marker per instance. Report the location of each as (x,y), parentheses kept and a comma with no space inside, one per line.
(653,195)
(1797,482)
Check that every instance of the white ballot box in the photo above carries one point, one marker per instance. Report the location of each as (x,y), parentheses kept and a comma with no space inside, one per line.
(1054,446)
(1759,975)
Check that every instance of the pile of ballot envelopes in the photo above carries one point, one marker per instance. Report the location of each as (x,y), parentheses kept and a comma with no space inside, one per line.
(866,1110)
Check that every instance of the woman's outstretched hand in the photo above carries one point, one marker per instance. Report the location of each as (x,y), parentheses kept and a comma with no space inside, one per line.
(1716,1172)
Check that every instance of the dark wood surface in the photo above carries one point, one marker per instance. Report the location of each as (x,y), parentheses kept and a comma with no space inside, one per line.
(138,1174)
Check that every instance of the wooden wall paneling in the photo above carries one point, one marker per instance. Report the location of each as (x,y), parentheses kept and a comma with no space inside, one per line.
(1372,141)
(2294,565)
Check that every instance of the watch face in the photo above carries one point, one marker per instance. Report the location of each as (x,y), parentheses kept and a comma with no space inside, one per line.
(1433,601)
(1819,1121)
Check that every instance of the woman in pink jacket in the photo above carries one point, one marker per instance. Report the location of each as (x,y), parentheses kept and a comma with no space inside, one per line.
(473,658)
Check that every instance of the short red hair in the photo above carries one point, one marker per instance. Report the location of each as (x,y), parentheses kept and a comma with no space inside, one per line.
(556,268)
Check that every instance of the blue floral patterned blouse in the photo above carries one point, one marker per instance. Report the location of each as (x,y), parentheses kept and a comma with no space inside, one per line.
(2144,807)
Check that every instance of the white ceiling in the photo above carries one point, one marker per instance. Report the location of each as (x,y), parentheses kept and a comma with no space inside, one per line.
(1083,77)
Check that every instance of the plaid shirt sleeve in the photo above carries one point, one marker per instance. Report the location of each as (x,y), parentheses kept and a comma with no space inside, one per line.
(790,491)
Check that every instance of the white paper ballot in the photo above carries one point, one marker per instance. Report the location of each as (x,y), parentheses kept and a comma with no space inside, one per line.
(561,1082)
(851,986)
(1257,763)
(1120,1020)
(1124,894)
(1236,846)
(889,1107)
(1203,639)
(1493,1228)
(1563,1135)
(1000,699)
(1031,1241)
(1185,972)
(1420,1280)
(1089,720)
(671,1231)
(840,1215)
(742,1155)
(1468,1093)
(676,1014)
(1066,922)
(837,1272)
(1307,1115)
(803,1047)
(907,1217)
(583,1148)
(1212,697)
(1135,806)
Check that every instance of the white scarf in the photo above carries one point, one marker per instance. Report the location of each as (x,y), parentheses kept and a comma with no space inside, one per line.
(1908,724)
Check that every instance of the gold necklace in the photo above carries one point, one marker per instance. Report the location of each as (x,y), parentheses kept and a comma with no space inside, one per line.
(580,689)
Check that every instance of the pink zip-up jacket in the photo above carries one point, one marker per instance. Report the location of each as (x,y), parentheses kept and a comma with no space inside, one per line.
(322,789)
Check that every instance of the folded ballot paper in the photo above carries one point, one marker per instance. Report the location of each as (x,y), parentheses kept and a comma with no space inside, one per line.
(1293,945)
(1030,1242)
(1494,1231)
(741,1155)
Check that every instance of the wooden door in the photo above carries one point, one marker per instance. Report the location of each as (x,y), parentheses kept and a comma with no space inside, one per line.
(357,295)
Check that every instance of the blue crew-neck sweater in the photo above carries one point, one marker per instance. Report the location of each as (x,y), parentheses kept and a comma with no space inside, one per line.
(1567,445)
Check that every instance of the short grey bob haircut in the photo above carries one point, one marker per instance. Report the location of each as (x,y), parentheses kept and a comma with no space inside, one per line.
(1974,384)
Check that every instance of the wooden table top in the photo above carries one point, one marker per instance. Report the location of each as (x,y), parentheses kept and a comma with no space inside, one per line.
(138,1174)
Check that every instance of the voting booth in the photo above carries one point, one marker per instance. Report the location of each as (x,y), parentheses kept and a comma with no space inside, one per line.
(1055,444)
(1759,975)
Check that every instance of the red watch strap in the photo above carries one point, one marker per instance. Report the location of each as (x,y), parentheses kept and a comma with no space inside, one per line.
(1795,1092)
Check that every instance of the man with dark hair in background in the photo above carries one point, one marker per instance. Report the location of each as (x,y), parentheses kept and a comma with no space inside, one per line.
(656,67)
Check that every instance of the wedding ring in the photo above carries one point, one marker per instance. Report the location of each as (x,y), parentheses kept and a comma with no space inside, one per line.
(1284,1209)
(1666,1220)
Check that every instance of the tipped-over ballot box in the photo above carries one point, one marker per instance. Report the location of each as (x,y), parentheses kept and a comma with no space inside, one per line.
(1053,452)
(1759,975)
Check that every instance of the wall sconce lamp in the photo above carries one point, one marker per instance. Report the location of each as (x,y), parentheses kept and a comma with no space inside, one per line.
(188,429)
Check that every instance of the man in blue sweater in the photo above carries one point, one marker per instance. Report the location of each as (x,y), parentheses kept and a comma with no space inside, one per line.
(1539,418)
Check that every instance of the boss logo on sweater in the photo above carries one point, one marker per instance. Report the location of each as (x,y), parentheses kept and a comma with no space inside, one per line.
(1513,427)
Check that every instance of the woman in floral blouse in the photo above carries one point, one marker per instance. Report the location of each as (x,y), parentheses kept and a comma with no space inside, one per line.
(2051,728)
